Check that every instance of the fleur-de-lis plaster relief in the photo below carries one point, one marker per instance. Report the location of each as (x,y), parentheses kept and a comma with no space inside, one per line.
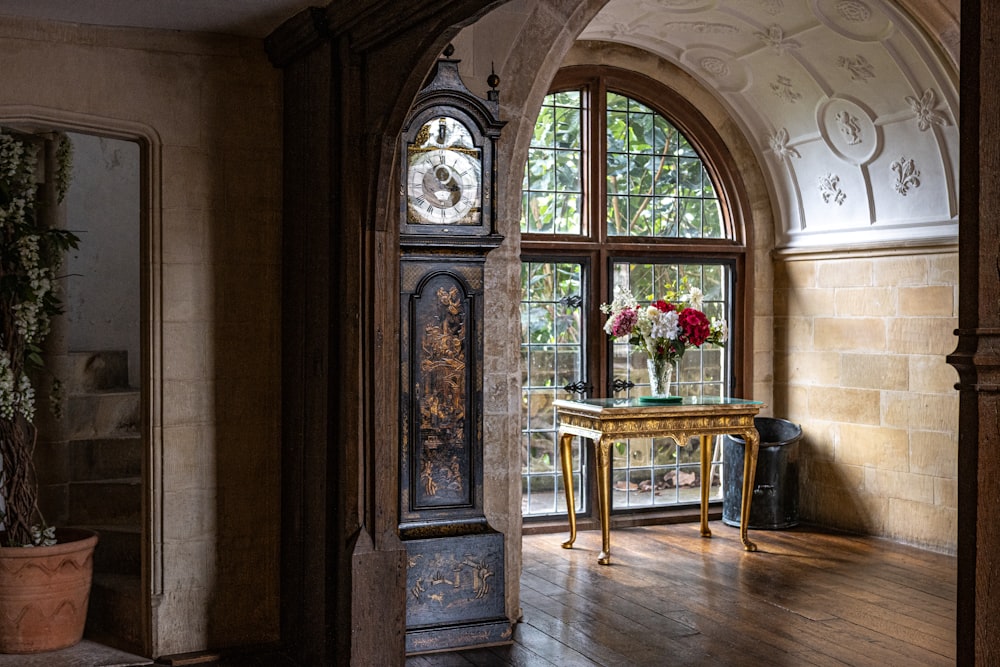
(849,127)
(829,188)
(860,68)
(927,115)
(775,38)
(854,11)
(782,88)
(779,144)
(907,175)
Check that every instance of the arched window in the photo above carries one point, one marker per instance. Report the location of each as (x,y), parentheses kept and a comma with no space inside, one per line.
(625,184)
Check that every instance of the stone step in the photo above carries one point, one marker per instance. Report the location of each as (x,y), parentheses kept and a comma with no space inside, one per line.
(108,414)
(115,614)
(83,372)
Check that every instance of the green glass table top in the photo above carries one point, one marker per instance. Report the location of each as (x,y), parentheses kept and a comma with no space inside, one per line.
(634,402)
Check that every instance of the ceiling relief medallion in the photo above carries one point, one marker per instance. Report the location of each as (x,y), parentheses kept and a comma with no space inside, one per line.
(854,11)
(853,19)
(715,66)
(860,68)
(728,73)
(779,144)
(829,189)
(783,89)
(849,130)
(925,112)
(907,175)
(775,38)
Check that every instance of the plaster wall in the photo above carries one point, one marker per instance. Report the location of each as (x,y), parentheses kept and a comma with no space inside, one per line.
(206,111)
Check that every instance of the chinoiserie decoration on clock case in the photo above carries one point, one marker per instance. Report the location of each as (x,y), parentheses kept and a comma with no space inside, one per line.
(455,570)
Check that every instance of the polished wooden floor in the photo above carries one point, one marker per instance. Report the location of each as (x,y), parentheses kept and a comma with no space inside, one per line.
(808,597)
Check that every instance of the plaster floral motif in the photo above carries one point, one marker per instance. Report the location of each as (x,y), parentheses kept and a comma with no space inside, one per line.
(829,188)
(703,27)
(927,115)
(772,7)
(679,4)
(779,144)
(783,89)
(625,30)
(907,175)
(860,68)
(849,127)
(715,66)
(775,38)
(854,11)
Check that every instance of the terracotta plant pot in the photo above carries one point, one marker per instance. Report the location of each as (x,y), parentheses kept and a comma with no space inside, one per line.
(44,593)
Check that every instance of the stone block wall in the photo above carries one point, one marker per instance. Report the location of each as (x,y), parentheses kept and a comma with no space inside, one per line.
(207,112)
(859,350)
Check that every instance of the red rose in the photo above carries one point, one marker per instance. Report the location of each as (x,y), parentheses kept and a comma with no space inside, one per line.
(663,306)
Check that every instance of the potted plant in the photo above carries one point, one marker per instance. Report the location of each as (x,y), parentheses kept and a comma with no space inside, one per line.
(44,573)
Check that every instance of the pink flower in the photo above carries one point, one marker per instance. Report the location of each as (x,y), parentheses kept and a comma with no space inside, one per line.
(695,326)
(624,322)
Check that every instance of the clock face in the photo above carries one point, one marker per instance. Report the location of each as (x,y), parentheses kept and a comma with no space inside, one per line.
(444,179)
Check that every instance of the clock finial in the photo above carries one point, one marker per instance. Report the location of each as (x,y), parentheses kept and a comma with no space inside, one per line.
(448,50)
(493,81)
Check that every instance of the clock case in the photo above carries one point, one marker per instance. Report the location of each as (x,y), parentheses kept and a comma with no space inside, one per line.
(447,96)
(455,559)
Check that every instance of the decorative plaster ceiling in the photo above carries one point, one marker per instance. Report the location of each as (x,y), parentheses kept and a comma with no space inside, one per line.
(246,18)
(850,108)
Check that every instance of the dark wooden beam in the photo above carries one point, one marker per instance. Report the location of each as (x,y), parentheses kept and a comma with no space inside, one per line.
(977,356)
(351,72)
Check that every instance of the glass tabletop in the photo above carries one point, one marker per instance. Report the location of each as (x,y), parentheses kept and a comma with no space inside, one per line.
(636,402)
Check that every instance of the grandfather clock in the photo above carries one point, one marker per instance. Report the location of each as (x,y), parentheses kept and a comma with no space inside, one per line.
(455,560)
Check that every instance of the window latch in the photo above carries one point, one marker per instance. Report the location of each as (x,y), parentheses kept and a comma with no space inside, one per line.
(618,385)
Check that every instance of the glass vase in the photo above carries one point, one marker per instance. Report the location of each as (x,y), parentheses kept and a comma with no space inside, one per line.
(661,376)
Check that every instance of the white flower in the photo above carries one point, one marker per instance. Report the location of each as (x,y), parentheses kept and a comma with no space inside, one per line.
(694,298)
(664,325)
(722,327)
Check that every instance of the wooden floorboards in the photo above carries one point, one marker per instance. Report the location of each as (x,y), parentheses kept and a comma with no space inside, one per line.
(808,597)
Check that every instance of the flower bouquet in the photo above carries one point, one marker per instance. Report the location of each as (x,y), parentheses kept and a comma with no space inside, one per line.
(663,330)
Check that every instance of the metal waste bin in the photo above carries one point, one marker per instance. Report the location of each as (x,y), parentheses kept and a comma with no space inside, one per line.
(775,501)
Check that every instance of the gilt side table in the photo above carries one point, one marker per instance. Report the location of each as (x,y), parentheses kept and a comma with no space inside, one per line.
(606,420)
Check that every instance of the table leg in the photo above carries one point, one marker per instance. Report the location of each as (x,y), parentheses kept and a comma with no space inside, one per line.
(566,457)
(706,482)
(604,498)
(749,470)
